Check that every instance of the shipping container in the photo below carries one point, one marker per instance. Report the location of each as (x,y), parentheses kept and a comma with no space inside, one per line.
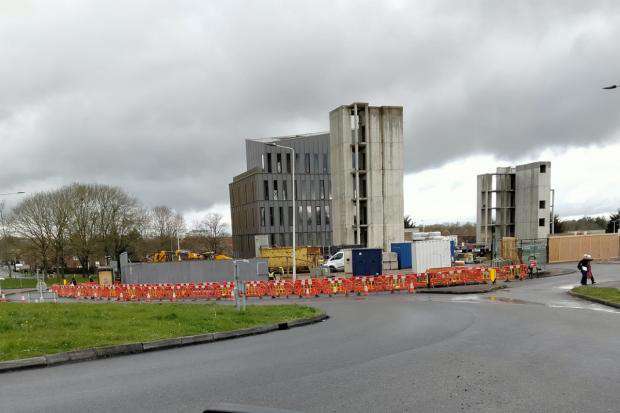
(367,261)
(403,250)
(430,254)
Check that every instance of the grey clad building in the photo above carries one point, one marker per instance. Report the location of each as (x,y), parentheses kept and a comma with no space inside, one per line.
(360,162)
(261,198)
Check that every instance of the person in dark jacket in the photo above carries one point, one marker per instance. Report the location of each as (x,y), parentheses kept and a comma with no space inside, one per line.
(585,266)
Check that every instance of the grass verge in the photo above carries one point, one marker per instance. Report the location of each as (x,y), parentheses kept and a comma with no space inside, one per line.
(29,330)
(611,295)
(32,282)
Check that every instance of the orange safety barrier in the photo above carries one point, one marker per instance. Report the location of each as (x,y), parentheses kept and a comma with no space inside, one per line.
(308,288)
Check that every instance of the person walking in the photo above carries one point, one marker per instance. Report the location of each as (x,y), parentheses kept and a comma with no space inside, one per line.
(585,266)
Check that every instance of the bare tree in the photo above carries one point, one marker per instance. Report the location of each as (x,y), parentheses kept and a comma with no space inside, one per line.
(4,235)
(166,225)
(119,216)
(59,203)
(214,229)
(84,213)
(31,219)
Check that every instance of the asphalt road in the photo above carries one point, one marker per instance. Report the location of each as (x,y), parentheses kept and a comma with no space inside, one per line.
(529,348)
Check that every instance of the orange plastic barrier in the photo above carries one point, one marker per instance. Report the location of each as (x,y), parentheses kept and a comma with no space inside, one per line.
(307,288)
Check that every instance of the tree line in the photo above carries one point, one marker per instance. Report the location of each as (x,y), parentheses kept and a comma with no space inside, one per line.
(94,221)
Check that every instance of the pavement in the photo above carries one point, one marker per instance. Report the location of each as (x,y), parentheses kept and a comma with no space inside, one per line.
(609,284)
(528,348)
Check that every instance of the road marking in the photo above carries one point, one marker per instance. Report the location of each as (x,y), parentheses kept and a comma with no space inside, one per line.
(594,307)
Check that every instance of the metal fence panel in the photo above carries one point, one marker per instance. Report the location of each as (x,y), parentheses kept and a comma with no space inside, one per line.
(190,271)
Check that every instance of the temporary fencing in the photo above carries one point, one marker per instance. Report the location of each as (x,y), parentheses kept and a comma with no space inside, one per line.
(307,288)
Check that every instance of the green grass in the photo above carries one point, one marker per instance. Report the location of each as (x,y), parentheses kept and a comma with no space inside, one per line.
(32,282)
(28,330)
(602,293)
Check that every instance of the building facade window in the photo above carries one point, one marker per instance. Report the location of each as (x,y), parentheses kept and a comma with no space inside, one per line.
(269,162)
(262,161)
(271,218)
(307,163)
(266,190)
(325,163)
(317,217)
(312,189)
(316,163)
(290,216)
(300,211)
(327,217)
(284,190)
(296,192)
(279,163)
(541,222)
(288,163)
(322,189)
(309,215)
(262,216)
(275,189)
(541,204)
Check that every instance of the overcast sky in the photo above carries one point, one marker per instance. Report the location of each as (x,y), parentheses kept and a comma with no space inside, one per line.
(158,96)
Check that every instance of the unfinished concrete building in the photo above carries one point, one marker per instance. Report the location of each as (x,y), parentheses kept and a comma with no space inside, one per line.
(366,155)
(514,202)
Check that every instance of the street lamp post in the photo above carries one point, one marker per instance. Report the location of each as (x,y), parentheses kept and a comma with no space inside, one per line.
(552,211)
(294,211)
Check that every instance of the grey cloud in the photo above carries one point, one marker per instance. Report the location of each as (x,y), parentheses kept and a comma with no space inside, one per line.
(157,96)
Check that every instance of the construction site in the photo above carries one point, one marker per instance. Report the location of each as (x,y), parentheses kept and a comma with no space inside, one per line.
(331,204)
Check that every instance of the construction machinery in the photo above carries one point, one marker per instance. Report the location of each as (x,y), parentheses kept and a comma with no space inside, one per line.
(185,255)
(281,258)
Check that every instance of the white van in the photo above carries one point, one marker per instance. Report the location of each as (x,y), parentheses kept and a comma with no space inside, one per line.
(335,262)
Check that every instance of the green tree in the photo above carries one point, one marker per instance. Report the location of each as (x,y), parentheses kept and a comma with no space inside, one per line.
(558,224)
(409,223)
(614,222)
